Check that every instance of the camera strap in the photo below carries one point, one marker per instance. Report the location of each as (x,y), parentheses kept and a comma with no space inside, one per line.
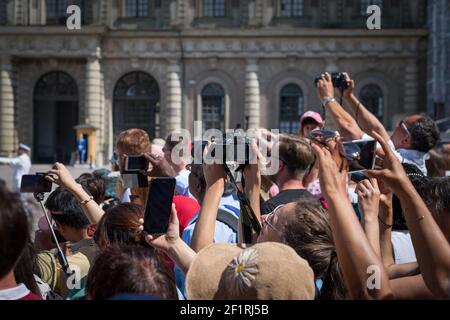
(250,220)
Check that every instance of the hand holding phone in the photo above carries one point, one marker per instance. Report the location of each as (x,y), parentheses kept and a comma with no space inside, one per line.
(159,205)
(135,163)
(32,183)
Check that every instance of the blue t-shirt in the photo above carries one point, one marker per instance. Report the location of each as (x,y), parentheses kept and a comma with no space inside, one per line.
(222,233)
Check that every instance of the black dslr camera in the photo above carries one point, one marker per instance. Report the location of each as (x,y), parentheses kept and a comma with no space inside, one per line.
(233,148)
(339,80)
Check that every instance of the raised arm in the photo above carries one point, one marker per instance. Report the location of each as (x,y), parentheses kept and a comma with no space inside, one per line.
(356,256)
(64,179)
(431,246)
(369,202)
(205,226)
(9,161)
(367,121)
(347,126)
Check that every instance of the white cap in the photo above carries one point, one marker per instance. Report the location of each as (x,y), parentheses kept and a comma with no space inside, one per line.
(24,147)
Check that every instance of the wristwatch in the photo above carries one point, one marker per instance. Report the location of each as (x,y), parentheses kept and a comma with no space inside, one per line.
(328,100)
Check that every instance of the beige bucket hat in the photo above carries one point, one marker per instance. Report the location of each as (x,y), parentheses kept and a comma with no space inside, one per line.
(265,271)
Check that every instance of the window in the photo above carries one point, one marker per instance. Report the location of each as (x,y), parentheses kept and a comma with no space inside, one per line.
(138,8)
(136,103)
(213,8)
(292,8)
(366,3)
(213,107)
(56,8)
(291,108)
(372,98)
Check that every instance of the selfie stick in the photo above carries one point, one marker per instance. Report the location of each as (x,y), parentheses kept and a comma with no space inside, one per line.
(39,196)
(249,216)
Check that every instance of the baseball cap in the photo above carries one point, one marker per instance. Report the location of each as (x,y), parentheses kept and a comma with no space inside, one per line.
(311,115)
(264,271)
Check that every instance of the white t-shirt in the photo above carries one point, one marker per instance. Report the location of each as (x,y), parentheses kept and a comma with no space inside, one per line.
(409,156)
(403,247)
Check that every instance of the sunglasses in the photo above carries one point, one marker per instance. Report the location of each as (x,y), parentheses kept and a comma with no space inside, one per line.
(404,126)
(267,217)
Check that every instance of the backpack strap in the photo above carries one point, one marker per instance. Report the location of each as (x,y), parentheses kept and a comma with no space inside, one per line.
(225,217)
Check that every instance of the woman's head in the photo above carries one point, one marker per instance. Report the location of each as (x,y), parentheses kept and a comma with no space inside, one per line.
(305,227)
(120,225)
(130,269)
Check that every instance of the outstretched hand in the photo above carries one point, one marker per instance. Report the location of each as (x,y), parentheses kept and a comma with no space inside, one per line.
(61,176)
(392,173)
(160,166)
(325,88)
(166,241)
(333,168)
(349,92)
(369,199)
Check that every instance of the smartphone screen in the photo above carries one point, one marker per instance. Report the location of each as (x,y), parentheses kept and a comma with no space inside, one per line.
(135,163)
(35,183)
(360,155)
(134,180)
(159,205)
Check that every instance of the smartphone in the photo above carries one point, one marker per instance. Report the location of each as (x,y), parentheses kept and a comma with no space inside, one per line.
(159,205)
(361,154)
(32,183)
(134,180)
(135,163)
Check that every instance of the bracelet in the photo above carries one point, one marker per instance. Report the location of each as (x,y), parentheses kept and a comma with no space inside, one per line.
(328,100)
(84,202)
(384,223)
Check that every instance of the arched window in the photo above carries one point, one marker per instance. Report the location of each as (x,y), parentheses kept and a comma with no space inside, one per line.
(138,8)
(213,8)
(291,108)
(292,8)
(55,115)
(213,107)
(136,103)
(371,96)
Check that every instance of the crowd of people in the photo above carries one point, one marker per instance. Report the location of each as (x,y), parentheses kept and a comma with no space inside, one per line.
(325,235)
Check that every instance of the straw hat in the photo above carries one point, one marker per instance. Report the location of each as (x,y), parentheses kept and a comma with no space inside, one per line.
(265,271)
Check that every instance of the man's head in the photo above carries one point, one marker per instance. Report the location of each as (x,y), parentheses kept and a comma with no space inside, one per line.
(65,209)
(295,157)
(416,132)
(130,269)
(132,142)
(178,160)
(197,183)
(23,149)
(14,233)
(310,121)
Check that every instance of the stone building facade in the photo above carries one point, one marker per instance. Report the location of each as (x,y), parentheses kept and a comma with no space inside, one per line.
(160,65)
(438,98)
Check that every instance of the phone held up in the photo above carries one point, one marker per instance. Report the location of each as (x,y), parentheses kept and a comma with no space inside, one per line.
(361,154)
(33,183)
(159,205)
